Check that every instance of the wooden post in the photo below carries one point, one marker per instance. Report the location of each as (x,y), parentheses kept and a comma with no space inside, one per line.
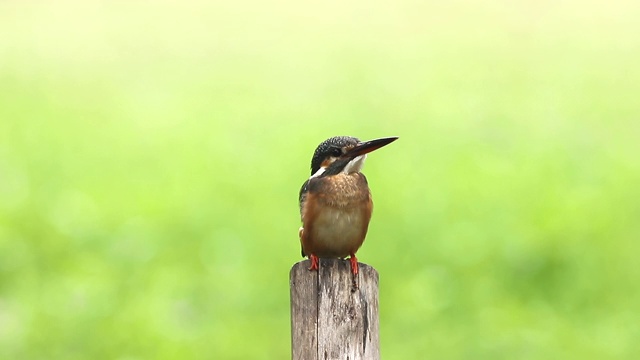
(330,319)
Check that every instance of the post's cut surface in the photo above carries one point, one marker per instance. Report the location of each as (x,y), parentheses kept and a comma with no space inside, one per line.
(330,319)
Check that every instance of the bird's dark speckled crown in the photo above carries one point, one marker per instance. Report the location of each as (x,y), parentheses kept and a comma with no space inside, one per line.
(330,147)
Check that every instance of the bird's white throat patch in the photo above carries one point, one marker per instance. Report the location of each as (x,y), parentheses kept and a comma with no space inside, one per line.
(355,165)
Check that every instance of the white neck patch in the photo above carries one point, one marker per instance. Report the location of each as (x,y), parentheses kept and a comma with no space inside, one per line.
(318,173)
(352,166)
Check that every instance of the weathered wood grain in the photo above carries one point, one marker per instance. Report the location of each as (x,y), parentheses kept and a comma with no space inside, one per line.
(330,318)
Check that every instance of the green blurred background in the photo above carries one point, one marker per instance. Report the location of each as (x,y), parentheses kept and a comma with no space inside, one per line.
(151,154)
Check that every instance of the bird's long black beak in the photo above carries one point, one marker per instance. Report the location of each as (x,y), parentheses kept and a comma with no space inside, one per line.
(368,146)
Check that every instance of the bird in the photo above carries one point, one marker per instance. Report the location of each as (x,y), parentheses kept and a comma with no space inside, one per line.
(335,202)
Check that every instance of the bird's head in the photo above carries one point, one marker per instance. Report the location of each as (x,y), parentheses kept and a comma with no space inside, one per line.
(343,154)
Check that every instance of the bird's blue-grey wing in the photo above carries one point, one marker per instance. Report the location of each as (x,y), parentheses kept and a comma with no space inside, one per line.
(301,198)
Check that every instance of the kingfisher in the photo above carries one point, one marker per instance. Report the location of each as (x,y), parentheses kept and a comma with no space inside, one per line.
(335,202)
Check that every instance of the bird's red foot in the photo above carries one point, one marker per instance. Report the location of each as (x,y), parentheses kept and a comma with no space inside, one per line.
(314,262)
(354,264)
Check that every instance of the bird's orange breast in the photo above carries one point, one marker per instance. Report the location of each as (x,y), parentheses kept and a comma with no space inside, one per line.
(335,215)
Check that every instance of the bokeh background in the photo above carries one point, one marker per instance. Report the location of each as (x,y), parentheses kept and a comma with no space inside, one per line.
(151,154)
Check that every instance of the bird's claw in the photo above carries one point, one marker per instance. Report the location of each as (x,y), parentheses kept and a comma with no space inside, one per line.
(314,263)
(354,264)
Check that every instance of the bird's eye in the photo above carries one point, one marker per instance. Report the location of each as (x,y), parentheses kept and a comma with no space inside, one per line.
(336,152)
